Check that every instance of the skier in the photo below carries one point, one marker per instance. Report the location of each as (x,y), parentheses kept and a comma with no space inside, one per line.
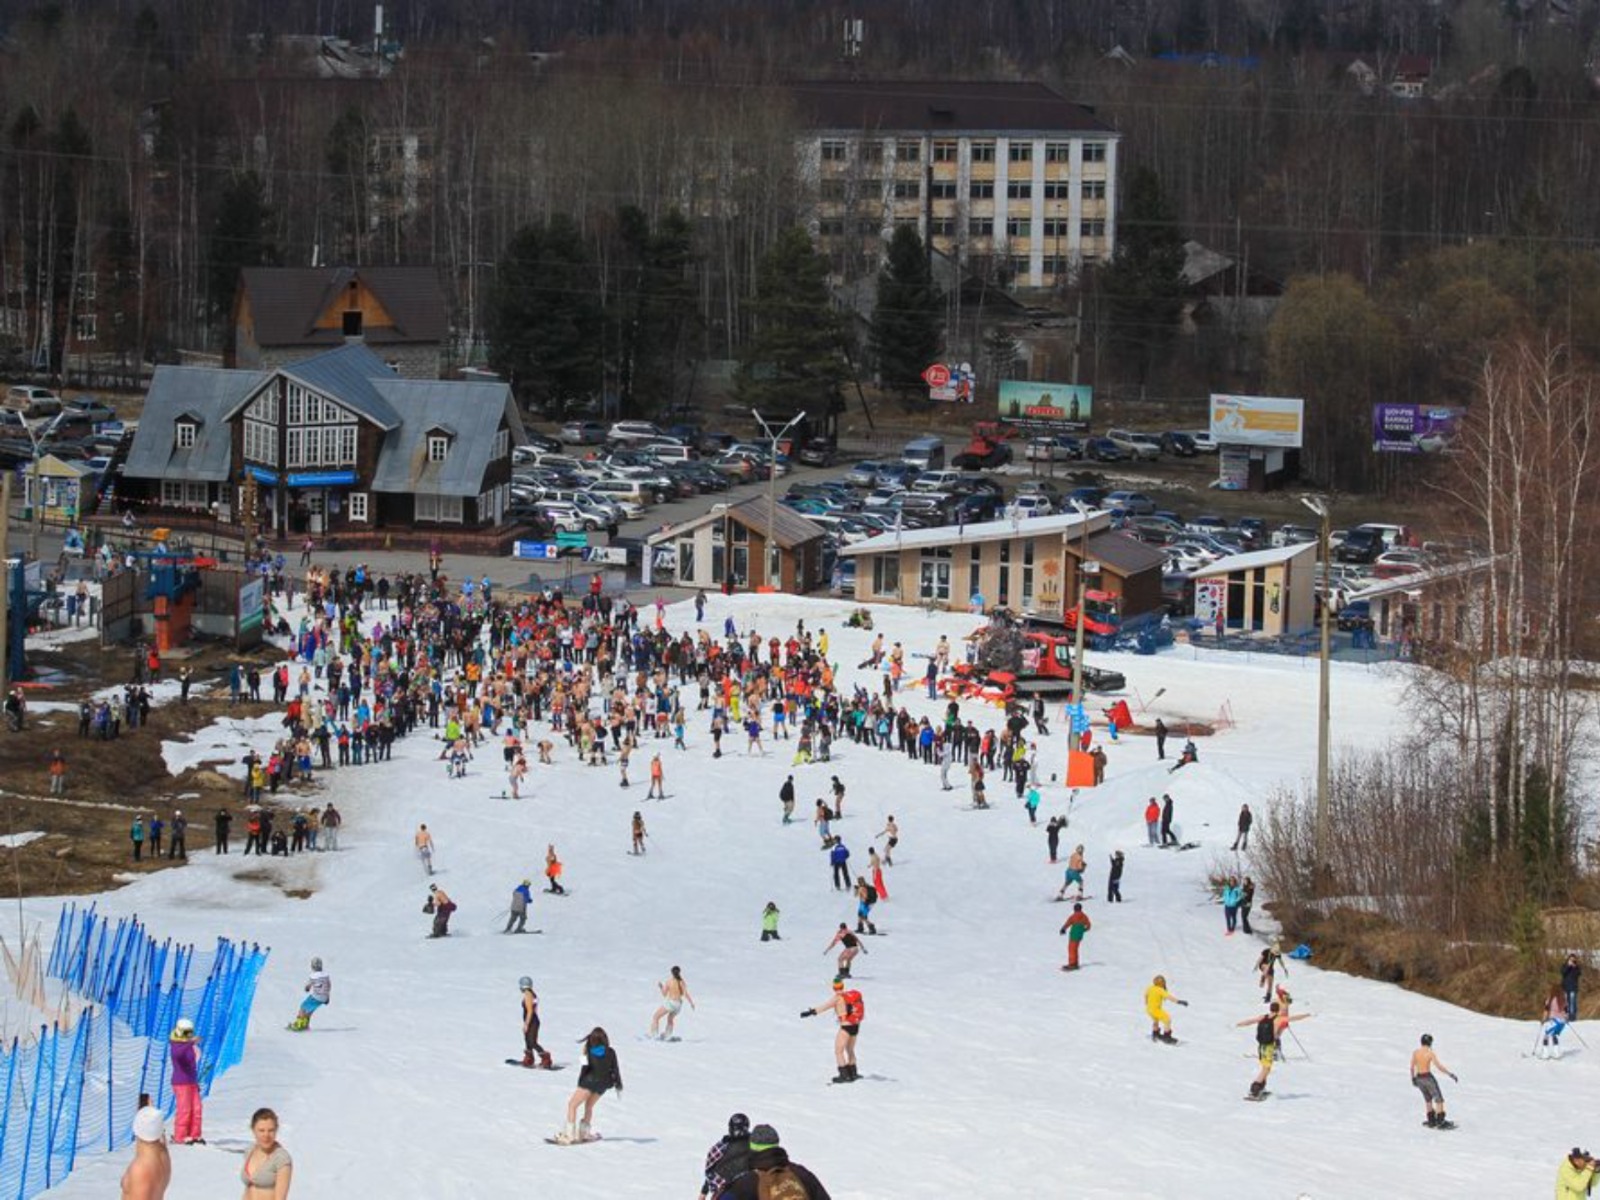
(319,991)
(866,897)
(673,993)
(821,817)
(786,796)
(1571,971)
(1076,929)
(1423,1062)
(1032,804)
(839,859)
(1052,834)
(532,1053)
(1155,1004)
(184,1049)
(552,871)
(424,844)
(1554,1021)
(658,786)
(638,834)
(892,832)
(852,946)
(728,1159)
(599,1075)
(1074,874)
(441,906)
(1114,883)
(769,923)
(521,897)
(850,1009)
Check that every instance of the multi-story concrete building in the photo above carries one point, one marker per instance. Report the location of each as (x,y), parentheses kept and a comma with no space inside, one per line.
(1006,175)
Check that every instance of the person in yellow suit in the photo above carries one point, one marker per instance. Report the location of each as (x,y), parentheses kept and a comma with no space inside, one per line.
(1155,1003)
(1576,1175)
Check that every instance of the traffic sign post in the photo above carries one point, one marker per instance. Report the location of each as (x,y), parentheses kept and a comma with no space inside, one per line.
(571,540)
(936,375)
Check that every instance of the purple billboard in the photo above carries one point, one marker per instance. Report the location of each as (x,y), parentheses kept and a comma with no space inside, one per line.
(1414,428)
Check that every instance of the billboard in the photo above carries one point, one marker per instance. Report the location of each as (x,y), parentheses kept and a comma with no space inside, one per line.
(1064,405)
(1210,599)
(1414,428)
(1257,421)
(953,382)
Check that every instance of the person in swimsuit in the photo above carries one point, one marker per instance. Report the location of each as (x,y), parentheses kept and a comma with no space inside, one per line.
(673,993)
(852,947)
(1423,1061)
(150,1171)
(892,832)
(530,1027)
(599,1075)
(638,834)
(268,1170)
(1074,875)
(849,1008)
(424,843)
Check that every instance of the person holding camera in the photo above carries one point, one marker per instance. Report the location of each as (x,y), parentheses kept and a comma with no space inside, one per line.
(1576,1175)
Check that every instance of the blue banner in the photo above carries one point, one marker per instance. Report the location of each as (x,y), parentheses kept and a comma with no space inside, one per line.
(262,475)
(321,478)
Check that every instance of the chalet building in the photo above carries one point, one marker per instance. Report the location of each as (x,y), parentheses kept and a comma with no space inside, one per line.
(284,314)
(728,547)
(1010,173)
(336,443)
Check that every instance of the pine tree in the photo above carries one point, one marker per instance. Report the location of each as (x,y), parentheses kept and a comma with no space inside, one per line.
(906,333)
(654,310)
(791,361)
(1143,284)
(544,318)
(239,239)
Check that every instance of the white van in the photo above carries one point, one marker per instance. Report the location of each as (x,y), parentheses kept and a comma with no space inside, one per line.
(668,452)
(924,453)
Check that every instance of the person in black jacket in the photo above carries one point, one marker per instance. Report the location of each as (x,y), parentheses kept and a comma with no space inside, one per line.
(1114,884)
(729,1158)
(1242,840)
(1571,970)
(770,1163)
(599,1075)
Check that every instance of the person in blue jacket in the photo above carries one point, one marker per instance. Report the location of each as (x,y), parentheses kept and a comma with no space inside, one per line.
(1230,904)
(839,857)
(521,897)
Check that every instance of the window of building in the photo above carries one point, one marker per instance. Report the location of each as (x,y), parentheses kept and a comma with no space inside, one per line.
(1019,227)
(502,445)
(981,190)
(347,446)
(740,536)
(834,151)
(908,151)
(85,327)
(438,447)
(88,286)
(832,189)
(260,442)
(358,506)
(438,508)
(294,448)
(872,152)
(1019,151)
(1019,191)
(1003,595)
(1057,152)
(265,406)
(975,570)
(830,227)
(1092,229)
(171,492)
(983,152)
(1094,152)
(1019,267)
(685,559)
(870,188)
(1094,189)
(869,227)
(1027,575)
(981,227)
(943,227)
(1058,191)
(943,189)
(188,431)
(1057,227)
(297,405)
(352,322)
(1058,265)
(944,151)
(886,575)
(907,189)
(906,223)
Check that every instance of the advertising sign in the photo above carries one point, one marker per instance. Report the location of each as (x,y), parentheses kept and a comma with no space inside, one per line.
(1209,597)
(1414,428)
(1233,469)
(534,550)
(954,382)
(1257,421)
(1063,405)
(250,598)
(614,556)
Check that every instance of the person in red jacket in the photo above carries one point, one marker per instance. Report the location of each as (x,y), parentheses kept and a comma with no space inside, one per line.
(1152,821)
(850,1009)
(1076,928)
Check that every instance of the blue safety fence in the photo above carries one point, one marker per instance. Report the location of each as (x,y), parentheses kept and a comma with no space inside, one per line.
(76,1086)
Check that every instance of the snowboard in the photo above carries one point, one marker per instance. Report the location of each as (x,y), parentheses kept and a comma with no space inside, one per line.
(1259,1096)
(645,1037)
(518,931)
(1440,1125)
(517,1062)
(593,1137)
(1071,899)
(1165,1042)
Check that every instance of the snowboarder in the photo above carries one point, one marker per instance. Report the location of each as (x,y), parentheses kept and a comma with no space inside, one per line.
(319,991)
(1266,1049)
(1155,1004)
(1032,804)
(1114,883)
(839,859)
(424,844)
(532,1052)
(728,1159)
(600,1074)
(850,1009)
(521,897)
(1554,1021)
(1167,838)
(866,897)
(772,1173)
(552,872)
(786,797)
(184,1048)
(1052,834)
(769,923)
(838,798)
(1423,1063)
(1266,969)
(1074,874)
(1189,755)
(822,817)
(1241,840)
(673,994)
(441,906)
(852,946)
(1076,929)
(892,832)
(658,785)
(638,834)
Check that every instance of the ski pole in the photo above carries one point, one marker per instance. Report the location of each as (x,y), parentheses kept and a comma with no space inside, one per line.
(1573,1025)
(1538,1038)
(1299,1043)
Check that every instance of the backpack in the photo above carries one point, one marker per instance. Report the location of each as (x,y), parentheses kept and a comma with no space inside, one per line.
(855,1008)
(780,1183)
(872,895)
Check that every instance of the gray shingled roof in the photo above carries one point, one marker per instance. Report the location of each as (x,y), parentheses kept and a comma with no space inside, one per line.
(789,528)
(473,410)
(286,302)
(1126,555)
(937,106)
(208,392)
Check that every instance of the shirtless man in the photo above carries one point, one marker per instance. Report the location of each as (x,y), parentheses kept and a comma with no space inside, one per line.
(1423,1063)
(544,753)
(424,844)
(847,1006)
(852,947)
(150,1171)
(673,993)
(892,832)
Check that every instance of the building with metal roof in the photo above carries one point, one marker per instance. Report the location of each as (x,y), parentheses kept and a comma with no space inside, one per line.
(729,548)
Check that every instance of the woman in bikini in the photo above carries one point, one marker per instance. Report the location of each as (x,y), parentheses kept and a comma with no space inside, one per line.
(268,1170)
(673,993)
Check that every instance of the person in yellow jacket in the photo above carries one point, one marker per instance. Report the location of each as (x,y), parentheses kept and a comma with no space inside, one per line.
(1575,1176)
(1155,1003)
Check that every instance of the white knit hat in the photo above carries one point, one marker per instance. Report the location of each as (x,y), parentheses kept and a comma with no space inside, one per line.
(148,1125)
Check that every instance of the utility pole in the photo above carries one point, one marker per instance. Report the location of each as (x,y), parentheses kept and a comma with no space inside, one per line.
(772,489)
(1083,601)
(1320,507)
(5,573)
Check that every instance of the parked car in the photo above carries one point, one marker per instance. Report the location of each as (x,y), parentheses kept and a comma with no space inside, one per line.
(937,481)
(706,477)
(89,408)
(1059,447)
(1393,563)
(1360,546)
(1040,487)
(1140,445)
(863,474)
(981,506)
(880,497)
(1103,449)
(1089,497)
(34,403)
(1206,523)
(1133,503)
(632,431)
(1187,557)
(565,516)
(900,473)
(1355,615)
(583,433)
(1179,445)
(1203,441)
(1253,528)
(1293,535)
(1032,505)
(818,452)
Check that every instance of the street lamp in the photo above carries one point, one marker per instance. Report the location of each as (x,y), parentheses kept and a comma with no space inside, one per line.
(772,486)
(37,497)
(1320,507)
(1083,603)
